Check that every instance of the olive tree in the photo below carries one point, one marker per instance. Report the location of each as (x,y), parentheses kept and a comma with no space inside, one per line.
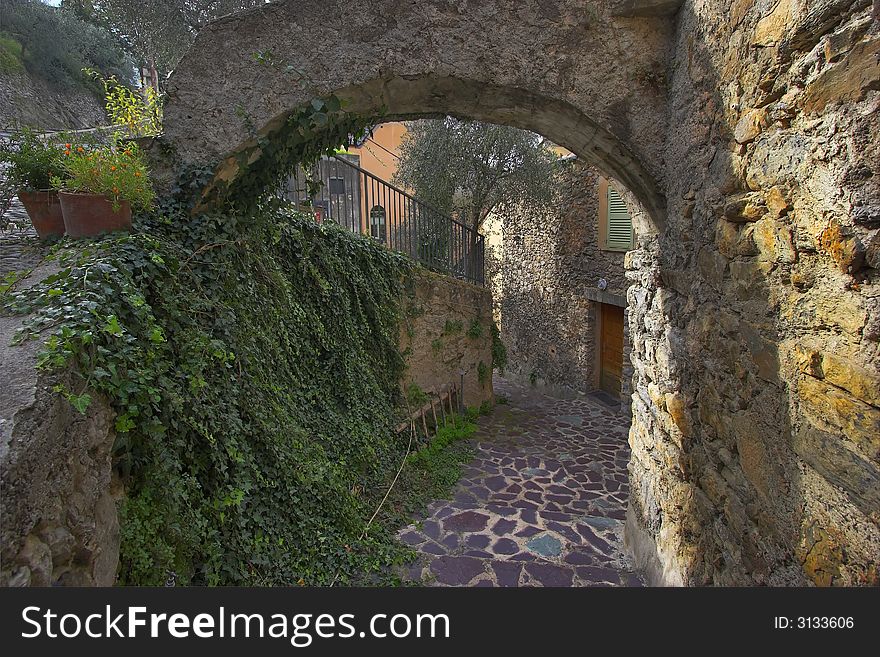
(467,169)
(156,33)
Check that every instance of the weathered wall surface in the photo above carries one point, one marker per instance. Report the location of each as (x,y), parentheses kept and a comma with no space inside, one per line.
(29,101)
(756,317)
(537,64)
(58,503)
(754,312)
(446,332)
(551,268)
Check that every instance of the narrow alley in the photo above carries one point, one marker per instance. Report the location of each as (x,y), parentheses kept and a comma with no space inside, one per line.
(542,503)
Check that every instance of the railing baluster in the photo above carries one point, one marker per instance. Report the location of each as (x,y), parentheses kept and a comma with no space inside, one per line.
(408,225)
(365,201)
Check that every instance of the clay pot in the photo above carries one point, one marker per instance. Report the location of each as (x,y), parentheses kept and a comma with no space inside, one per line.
(44,210)
(88,215)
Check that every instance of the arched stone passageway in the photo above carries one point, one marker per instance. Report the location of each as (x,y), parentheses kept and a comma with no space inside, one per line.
(748,134)
(542,67)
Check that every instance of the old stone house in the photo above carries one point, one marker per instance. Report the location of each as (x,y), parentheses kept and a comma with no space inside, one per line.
(563,287)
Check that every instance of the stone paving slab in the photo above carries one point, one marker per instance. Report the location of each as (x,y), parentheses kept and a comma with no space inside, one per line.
(542,503)
(20,249)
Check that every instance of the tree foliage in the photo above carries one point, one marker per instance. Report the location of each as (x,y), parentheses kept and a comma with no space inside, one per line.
(139,111)
(56,45)
(467,169)
(159,32)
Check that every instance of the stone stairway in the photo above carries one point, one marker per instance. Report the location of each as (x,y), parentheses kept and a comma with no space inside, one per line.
(542,504)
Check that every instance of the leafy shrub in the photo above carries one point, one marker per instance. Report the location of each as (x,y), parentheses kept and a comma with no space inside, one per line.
(475,330)
(139,111)
(434,452)
(33,160)
(117,171)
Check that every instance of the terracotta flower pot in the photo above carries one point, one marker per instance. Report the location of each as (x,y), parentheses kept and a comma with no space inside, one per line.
(44,210)
(87,215)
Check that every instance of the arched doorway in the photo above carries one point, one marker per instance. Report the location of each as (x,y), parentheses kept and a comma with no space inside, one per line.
(731,481)
(549,73)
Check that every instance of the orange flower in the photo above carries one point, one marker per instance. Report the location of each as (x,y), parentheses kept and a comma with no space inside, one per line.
(80,149)
(113,168)
(67,146)
(115,190)
(137,174)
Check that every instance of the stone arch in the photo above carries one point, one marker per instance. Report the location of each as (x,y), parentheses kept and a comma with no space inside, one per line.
(591,79)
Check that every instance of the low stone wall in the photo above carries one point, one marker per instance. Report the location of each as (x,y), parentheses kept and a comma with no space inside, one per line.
(58,504)
(446,333)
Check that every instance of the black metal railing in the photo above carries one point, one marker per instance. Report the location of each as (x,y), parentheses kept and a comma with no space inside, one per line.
(364,203)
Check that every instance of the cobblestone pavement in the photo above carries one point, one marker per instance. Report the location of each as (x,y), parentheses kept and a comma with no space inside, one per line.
(20,249)
(542,504)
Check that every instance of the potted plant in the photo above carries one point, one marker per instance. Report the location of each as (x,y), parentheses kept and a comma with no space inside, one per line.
(32,162)
(102,187)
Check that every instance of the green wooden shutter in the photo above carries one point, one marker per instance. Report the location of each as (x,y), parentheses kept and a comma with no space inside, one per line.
(620,230)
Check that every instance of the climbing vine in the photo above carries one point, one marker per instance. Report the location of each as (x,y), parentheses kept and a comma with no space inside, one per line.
(308,133)
(254,366)
(252,359)
(499,350)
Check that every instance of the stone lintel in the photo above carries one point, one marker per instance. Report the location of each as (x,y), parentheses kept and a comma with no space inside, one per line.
(601,296)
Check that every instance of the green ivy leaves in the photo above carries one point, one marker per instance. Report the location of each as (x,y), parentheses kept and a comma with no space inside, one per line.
(252,359)
(315,129)
(253,364)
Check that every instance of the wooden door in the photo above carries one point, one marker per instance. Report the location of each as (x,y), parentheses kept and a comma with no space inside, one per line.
(611,349)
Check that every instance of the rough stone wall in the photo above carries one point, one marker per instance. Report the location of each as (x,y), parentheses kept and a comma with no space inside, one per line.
(440,339)
(29,101)
(756,316)
(57,492)
(538,64)
(551,268)
(747,131)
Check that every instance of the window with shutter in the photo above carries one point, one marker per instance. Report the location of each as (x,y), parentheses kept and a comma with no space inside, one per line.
(619,230)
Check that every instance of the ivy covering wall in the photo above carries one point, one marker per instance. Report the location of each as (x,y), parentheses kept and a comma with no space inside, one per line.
(254,365)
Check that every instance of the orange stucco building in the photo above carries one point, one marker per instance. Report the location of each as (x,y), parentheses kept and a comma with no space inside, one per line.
(379,153)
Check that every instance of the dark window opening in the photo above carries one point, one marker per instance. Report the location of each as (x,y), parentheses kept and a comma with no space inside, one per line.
(377,222)
(337,186)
